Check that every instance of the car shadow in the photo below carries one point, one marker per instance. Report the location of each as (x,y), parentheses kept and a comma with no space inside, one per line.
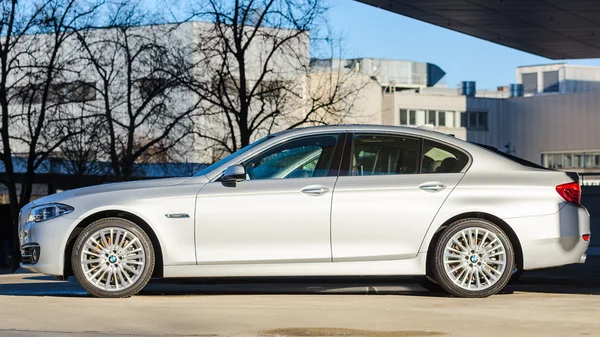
(40,285)
(572,279)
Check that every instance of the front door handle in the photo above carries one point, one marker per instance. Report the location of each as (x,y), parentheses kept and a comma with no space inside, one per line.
(314,190)
(432,186)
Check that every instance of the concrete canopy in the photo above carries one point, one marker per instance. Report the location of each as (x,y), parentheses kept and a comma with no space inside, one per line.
(556,29)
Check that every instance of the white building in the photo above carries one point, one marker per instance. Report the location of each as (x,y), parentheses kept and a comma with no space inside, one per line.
(550,116)
(560,78)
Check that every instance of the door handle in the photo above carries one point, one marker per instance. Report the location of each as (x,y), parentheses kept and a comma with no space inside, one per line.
(315,190)
(432,186)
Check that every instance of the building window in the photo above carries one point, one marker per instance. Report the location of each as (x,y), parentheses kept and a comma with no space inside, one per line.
(449,119)
(270,90)
(463,119)
(551,81)
(408,117)
(430,117)
(530,83)
(433,117)
(571,160)
(151,87)
(403,117)
(78,91)
(476,120)
(441,118)
(68,92)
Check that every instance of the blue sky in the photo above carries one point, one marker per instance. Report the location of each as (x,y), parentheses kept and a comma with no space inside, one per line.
(372,32)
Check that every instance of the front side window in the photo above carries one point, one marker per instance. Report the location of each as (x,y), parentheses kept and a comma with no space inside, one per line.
(302,158)
(440,158)
(384,155)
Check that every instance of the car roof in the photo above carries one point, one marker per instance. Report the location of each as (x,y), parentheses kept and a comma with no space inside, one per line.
(363,128)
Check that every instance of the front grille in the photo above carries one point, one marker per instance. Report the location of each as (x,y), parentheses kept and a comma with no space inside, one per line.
(30,253)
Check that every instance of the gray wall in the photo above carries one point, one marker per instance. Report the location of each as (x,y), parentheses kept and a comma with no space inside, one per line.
(494,136)
(568,122)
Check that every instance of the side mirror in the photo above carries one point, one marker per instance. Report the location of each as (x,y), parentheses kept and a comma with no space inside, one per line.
(234,173)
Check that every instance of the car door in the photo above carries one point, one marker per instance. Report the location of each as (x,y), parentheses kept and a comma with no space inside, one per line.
(389,193)
(279,214)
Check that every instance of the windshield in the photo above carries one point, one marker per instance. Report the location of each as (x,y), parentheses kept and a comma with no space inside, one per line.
(232,156)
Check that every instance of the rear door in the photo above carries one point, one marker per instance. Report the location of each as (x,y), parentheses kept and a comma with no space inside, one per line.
(389,193)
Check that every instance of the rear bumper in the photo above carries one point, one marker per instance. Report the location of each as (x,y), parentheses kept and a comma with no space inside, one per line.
(553,240)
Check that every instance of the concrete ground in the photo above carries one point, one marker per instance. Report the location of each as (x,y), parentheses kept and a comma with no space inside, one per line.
(555,302)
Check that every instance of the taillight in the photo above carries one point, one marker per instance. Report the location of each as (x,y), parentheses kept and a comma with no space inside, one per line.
(571,192)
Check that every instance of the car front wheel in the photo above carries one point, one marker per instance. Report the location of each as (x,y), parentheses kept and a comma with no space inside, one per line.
(473,258)
(113,257)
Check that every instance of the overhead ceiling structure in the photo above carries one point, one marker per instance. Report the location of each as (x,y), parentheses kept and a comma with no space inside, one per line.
(556,29)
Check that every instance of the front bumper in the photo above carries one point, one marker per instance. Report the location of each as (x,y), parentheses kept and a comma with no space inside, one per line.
(553,240)
(50,239)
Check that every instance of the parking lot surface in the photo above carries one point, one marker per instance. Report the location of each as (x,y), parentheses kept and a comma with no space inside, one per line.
(556,302)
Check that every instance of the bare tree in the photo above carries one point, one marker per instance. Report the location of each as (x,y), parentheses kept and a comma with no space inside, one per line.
(82,153)
(253,70)
(145,108)
(32,61)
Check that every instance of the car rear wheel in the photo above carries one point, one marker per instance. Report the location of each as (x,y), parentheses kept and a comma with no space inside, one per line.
(473,258)
(113,257)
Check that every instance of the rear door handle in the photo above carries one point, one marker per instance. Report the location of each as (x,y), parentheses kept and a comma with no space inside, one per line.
(432,186)
(314,190)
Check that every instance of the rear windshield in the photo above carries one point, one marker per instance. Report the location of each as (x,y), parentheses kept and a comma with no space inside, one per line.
(513,158)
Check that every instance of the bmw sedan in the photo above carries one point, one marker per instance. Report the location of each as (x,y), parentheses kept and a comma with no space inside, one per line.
(321,201)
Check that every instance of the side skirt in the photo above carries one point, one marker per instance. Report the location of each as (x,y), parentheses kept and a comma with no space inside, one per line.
(415,266)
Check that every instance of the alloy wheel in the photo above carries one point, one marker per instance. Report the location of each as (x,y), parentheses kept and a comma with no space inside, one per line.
(112,259)
(474,258)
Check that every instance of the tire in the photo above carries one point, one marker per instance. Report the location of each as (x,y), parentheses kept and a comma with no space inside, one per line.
(111,270)
(430,284)
(516,275)
(480,268)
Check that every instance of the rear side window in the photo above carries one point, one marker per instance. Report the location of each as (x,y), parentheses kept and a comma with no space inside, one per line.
(384,155)
(440,158)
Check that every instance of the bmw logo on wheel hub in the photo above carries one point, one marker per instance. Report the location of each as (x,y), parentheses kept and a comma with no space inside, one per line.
(112,259)
(474,258)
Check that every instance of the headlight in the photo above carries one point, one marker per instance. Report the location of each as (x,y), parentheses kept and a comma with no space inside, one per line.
(48,211)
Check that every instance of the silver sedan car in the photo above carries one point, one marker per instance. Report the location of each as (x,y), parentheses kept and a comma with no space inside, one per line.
(321,201)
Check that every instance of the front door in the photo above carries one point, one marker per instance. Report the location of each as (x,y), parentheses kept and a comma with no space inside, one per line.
(394,186)
(279,214)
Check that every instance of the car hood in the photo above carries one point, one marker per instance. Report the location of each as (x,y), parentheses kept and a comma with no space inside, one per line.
(105,188)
